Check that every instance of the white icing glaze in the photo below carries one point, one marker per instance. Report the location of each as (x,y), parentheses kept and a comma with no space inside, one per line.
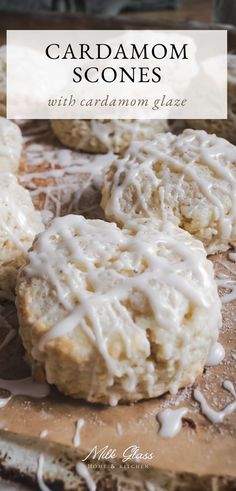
(82,471)
(228,385)
(20,223)
(192,150)
(149,486)
(41,484)
(113,130)
(5,324)
(23,387)
(209,412)
(43,434)
(119,429)
(216,354)
(79,425)
(59,176)
(10,335)
(104,242)
(171,421)
(232,256)
(10,145)
(227,283)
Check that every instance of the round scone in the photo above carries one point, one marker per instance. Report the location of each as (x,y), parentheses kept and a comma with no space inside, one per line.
(225,128)
(11,142)
(189,179)
(109,314)
(19,223)
(3,80)
(104,135)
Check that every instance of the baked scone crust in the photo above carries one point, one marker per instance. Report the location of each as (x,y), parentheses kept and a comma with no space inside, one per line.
(104,135)
(114,315)
(189,179)
(3,70)
(11,143)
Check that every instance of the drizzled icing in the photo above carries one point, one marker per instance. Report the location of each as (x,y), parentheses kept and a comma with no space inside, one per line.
(119,429)
(10,145)
(8,338)
(104,276)
(153,179)
(18,219)
(23,387)
(231,68)
(79,425)
(113,131)
(215,355)
(5,324)
(229,284)
(210,413)
(43,434)
(40,480)
(56,177)
(232,256)
(149,486)
(82,471)
(171,421)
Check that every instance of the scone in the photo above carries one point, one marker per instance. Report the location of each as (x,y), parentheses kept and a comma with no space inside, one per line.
(19,223)
(3,80)
(111,314)
(189,179)
(60,180)
(103,135)
(11,143)
(225,128)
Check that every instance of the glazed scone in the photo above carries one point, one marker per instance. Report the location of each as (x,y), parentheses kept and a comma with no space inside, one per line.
(11,143)
(19,223)
(111,314)
(225,128)
(3,80)
(104,135)
(189,179)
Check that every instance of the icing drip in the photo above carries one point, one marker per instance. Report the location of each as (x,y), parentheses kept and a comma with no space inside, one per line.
(10,335)
(41,484)
(118,128)
(216,354)
(43,434)
(19,221)
(171,421)
(105,253)
(113,399)
(209,412)
(79,425)
(56,177)
(23,387)
(82,471)
(149,486)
